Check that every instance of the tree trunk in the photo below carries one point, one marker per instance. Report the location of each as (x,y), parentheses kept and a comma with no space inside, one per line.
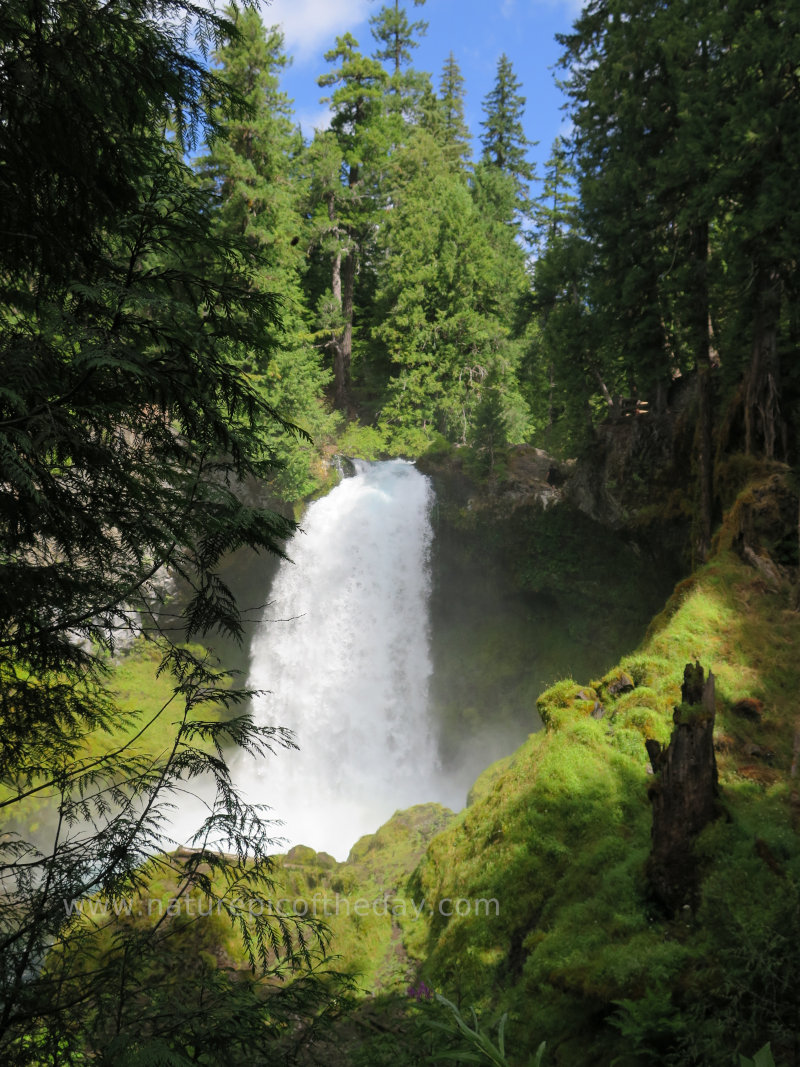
(762,414)
(339,376)
(345,346)
(684,794)
(701,340)
(604,389)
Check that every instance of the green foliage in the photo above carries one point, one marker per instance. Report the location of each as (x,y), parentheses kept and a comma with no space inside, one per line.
(504,142)
(650,1024)
(391,28)
(748,992)
(252,161)
(451,129)
(174,938)
(437,321)
(479,1046)
(763,1058)
(126,432)
(362,442)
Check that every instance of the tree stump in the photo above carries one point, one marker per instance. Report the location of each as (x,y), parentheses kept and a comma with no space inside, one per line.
(683,794)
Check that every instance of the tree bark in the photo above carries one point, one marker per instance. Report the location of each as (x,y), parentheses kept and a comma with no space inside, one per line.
(762,414)
(345,345)
(684,795)
(339,377)
(701,340)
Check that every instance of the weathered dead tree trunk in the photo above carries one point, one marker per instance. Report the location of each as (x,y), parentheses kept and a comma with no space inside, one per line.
(684,793)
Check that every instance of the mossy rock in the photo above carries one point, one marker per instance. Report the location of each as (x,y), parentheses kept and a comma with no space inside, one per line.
(648,723)
(615,684)
(485,781)
(646,670)
(388,856)
(764,517)
(565,701)
(300,855)
(643,697)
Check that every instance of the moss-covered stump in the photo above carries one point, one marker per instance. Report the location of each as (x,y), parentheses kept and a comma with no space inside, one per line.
(683,796)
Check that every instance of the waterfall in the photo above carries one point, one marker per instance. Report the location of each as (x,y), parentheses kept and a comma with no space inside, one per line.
(343,650)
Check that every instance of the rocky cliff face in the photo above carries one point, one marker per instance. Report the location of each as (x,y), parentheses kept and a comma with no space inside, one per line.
(528,477)
(636,476)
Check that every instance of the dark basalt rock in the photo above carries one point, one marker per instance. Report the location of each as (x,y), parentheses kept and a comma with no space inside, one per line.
(345,466)
(623,684)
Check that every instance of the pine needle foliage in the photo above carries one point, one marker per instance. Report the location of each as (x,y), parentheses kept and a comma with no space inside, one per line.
(126,434)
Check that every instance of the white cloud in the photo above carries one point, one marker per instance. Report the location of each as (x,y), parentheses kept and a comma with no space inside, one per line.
(316,120)
(310,25)
(572,7)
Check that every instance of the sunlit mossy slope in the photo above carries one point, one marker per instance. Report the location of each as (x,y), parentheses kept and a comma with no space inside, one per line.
(534,900)
(559,835)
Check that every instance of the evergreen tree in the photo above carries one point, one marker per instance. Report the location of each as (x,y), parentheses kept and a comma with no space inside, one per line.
(346,185)
(554,208)
(125,428)
(504,142)
(437,316)
(253,161)
(755,55)
(680,117)
(629,89)
(455,136)
(645,129)
(396,36)
(555,242)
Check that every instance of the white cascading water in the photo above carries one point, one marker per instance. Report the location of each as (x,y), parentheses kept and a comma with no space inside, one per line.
(344,651)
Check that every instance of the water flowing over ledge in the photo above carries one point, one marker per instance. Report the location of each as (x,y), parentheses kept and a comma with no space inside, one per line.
(343,649)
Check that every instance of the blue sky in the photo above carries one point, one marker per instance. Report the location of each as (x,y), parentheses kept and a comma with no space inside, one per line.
(476,32)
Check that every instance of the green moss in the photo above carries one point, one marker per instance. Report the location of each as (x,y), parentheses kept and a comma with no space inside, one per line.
(559,836)
(488,779)
(644,721)
(549,858)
